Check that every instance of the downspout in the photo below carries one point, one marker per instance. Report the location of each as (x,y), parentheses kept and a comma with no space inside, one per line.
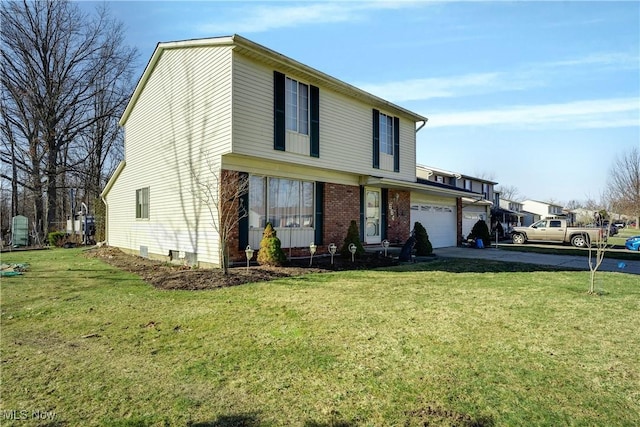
(106,219)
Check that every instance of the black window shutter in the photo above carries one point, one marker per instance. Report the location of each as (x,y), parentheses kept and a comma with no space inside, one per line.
(362,207)
(376,139)
(314,110)
(396,144)
(319,220)
(278,111)
(243,212)
(383,213)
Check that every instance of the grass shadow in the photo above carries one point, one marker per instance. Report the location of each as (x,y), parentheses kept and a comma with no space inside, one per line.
(468,265)
(233,420)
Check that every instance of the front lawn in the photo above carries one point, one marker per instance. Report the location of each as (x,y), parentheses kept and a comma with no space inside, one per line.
(446,342)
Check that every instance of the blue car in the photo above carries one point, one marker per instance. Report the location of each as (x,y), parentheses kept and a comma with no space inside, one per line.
(633,243)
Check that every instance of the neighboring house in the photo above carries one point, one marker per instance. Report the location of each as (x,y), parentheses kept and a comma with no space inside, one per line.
(474,207)
(544,209)
(317,152)
(510,213)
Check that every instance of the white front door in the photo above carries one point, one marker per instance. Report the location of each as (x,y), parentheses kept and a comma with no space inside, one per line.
(372,216)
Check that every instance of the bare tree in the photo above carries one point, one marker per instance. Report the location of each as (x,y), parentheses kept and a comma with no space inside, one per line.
(509,192)
(597,251)
(624,184)
(57,62)
(223,193)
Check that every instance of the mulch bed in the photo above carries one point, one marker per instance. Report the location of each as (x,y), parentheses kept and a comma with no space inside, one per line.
(164,275)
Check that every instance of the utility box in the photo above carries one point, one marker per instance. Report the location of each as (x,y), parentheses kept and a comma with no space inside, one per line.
(19,231)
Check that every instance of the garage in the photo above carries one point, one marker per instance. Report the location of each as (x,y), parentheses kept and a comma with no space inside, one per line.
(439,220)
(469,219)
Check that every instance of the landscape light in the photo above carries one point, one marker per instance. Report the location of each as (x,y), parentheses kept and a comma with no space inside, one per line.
(352,249)
(385,245)
(332,250)
(312,249)
(249,252)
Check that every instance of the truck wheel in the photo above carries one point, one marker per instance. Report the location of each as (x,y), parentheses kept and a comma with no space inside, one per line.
(579,241)
(518,239)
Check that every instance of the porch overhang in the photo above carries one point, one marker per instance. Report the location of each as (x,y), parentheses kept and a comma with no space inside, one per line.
(419,187)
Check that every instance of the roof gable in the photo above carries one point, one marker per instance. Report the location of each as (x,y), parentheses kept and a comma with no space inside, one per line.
(274,59)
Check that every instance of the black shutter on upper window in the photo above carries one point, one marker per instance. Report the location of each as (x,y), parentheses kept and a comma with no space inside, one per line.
(314,110)
(396,144)
(376,139)
(279,129)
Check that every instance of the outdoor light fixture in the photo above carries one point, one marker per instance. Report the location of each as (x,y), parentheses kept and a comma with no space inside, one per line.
(249,252)
(352,249)
(312,249)
(332,251)
(385,245)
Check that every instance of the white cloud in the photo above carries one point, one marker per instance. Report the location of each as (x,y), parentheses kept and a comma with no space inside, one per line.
(258,18)
(530,76)
(590,114)
(450,87)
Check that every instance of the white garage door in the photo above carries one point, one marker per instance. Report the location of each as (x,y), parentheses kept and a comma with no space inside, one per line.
(440,222)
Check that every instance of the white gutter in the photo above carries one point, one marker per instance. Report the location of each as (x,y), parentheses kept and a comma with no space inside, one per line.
(424,122)
(415,186)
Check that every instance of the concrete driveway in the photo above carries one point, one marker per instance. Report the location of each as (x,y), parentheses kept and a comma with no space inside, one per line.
(579,262)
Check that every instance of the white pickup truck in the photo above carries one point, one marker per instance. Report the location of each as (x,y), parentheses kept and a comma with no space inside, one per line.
(556,230)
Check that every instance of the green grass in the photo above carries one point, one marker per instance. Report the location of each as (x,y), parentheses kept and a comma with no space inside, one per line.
(440,343)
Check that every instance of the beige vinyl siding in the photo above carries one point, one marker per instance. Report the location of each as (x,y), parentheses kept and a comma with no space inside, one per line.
(345,126)
(180,126)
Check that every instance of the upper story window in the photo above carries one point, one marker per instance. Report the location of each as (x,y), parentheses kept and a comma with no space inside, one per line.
(386,134)
(296,116)
(297,106)
(467,184)
(386,142)
(142,203)
(440,179)
(485,190)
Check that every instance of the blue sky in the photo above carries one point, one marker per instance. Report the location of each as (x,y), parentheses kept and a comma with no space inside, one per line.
(541,96)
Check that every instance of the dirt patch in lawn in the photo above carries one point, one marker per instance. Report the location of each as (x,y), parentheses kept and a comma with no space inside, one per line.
(165,275)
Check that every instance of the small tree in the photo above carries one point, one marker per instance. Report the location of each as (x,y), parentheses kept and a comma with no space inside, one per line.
(597,250)
(222,192)
(423,245)
(353,236)
(481,231)
(270,252)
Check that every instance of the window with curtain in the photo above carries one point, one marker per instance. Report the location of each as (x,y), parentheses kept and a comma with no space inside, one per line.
(282,202)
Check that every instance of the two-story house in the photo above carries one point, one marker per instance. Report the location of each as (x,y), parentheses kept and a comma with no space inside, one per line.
(317,153)
(476,205)
(535,210)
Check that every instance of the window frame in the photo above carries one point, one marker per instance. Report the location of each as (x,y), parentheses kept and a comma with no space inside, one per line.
(386,134)
(299,216)
(295,99)
(142,203)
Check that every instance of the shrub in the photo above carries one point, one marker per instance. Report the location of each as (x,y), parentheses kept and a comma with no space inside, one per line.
(480,230)
(57,238)
(423,245)
(353,236)
(270,252)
